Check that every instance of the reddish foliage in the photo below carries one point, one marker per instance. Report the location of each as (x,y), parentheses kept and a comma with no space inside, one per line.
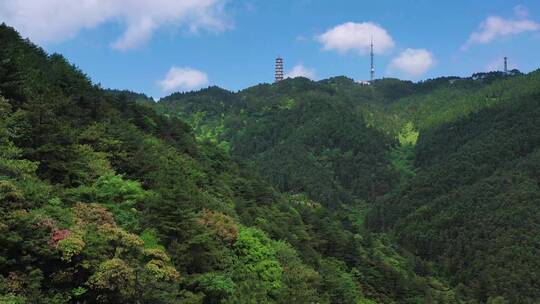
(58,235)
(221,224)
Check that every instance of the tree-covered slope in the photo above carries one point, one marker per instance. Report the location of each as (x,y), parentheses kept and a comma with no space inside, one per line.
(103,200)
(456,98)
(474,205)
(334,139)
(448,166)
(302,136)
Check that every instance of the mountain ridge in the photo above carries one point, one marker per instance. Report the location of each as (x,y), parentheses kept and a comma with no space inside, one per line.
(451,144)
(104,200)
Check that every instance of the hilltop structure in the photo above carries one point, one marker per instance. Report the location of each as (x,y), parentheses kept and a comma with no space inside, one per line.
(372,71)
(363,82)
(279,69)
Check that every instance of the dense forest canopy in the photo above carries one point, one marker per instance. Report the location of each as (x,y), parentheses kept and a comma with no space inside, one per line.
(293,192)
(105,200)
(446,167)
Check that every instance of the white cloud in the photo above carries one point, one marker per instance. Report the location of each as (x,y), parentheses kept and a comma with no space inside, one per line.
(352,36)
(58,20)
(413,62)
(495,27)
(300,70)
(184,79)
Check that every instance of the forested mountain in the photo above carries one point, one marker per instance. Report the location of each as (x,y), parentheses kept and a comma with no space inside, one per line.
(126,95)
(293,192)
(473,206)
(302,136)
(447,168)
(105,200)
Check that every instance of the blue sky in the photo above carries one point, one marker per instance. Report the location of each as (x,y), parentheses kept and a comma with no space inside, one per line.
(160,46)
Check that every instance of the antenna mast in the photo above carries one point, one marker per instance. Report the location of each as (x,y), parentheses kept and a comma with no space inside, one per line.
(372,64)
